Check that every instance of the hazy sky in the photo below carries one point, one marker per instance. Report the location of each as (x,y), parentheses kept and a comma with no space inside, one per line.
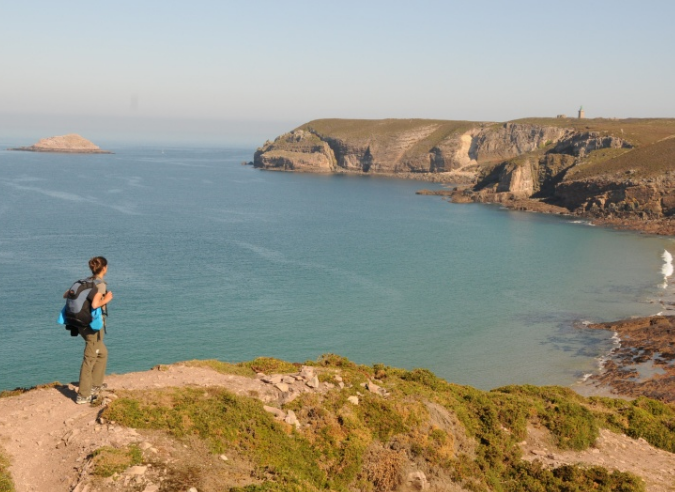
(249,70)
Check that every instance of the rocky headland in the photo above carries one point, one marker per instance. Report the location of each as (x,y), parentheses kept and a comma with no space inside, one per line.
(69,144)
(610,171)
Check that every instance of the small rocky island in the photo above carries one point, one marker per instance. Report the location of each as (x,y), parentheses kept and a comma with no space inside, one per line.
(69,144)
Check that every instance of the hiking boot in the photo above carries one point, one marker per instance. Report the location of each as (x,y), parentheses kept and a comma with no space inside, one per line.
(81,400)
(97,389)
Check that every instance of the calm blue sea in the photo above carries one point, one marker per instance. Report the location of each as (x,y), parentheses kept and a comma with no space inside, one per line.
(212,259)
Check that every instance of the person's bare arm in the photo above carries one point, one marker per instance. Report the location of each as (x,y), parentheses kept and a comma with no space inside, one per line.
(101,300)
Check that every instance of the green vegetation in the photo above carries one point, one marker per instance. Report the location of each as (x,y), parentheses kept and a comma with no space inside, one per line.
(267,365)
(6,484)
(19,391)
(643,162)
(376,129)
(638,131)
(108,460)
(224,421)
(465,435)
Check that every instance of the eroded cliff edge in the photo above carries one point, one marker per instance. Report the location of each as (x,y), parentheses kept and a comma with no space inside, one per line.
(446,151)
(615,171)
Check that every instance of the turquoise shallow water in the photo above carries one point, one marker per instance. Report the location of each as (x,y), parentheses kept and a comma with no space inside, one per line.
(211,259)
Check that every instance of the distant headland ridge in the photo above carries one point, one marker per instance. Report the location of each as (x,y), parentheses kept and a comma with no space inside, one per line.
(70,144)
(615,171)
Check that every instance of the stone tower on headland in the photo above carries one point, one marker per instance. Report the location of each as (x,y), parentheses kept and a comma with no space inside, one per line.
(582,115)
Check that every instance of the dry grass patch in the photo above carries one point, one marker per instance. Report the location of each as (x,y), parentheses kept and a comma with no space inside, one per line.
(641,162)
(20,391)
(362,129)
(383,468)
(6,483)
(108,460)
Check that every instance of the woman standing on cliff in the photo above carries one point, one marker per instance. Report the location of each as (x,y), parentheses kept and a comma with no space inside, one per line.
(95,358)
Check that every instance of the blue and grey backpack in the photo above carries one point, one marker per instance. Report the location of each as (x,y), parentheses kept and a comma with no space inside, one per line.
(77,312)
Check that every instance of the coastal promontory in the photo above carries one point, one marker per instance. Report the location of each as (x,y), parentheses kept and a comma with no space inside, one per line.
(69,144)
(615,171)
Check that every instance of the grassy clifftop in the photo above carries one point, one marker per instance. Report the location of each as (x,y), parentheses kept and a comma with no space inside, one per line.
(354,128)
(603,148)
(648,160)
(381,429)
(638,131)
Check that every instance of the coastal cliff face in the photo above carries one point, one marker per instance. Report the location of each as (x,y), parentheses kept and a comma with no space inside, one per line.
(616,171)
(633,188)
(428,148)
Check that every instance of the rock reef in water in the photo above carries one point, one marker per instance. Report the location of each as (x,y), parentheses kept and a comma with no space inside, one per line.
(642,363)
(619,172)
(71,143)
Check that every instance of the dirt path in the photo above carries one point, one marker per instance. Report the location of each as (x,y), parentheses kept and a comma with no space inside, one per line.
(48,437)
(612,451)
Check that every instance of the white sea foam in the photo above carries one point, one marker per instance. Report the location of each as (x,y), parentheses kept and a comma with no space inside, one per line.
(666,268)
(584,222)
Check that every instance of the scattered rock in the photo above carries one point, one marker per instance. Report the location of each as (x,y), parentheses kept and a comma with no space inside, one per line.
(277,412)
(291,419)
(135,471)
(273,379)
(223,457)
(353,399)
(313,383)
(374,388)
(418,480)
(283,387)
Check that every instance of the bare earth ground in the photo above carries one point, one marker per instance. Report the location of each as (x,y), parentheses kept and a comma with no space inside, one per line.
(48,437)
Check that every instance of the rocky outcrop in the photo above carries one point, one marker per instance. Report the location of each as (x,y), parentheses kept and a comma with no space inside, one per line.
(581,144)
(622,199)
(544,177)
(512,139)
(71,143)
(539,173)
(643,363)
(296,151)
